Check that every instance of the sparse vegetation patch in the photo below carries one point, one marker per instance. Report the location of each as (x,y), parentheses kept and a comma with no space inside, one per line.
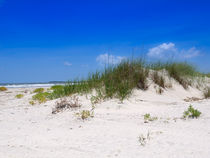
(85,114)
(191,113)
(19,96)
(3,88)
(38,90)
(41,97)
(66,104)
(148,117)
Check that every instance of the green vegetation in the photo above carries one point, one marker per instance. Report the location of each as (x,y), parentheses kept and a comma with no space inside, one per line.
(31,102)
(191,113)
(114,81)
(55,87)
(85,114)
(157,79)
(207,93)
(38,90)
(180,71)
(3,88)
(118,81)
(147,117)
(41,97)
(19,96)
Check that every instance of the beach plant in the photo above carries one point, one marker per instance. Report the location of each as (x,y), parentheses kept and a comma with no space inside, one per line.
(31,102)
(85,114)
(148,117)
(144,139)
(119,80)
(41,97)
(55,87)
(73,103)
(158,79)
(3,88)
(19,96)
(115,81)
(191,113)
(207,93)
(159,90)
(182,72)
(38,90)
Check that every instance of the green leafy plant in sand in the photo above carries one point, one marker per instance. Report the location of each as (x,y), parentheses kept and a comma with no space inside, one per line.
(191,113)
(19,96)
(41,97)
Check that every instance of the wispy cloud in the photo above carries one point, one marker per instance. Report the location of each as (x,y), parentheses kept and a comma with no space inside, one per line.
(66,63)
(109,59)
(169,50)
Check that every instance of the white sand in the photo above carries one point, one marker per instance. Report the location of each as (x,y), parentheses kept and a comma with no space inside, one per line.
(28,131)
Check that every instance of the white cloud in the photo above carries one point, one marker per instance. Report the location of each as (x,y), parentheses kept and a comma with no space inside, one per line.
(190,53)
(169,50)
(66,63)
(109,59)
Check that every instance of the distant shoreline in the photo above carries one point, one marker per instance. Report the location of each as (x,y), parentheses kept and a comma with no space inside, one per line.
(31,85)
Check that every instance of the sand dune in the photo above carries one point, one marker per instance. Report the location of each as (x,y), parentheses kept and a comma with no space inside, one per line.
(34,132)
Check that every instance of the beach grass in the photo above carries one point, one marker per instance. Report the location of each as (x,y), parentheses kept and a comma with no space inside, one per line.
(118,81)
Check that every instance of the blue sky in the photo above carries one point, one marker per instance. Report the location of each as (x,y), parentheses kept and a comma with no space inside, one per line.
(45,40)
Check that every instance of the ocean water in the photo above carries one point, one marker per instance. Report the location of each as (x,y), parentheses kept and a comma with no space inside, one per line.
(30,85)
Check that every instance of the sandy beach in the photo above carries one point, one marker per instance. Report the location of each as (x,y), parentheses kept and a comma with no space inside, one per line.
(34,132)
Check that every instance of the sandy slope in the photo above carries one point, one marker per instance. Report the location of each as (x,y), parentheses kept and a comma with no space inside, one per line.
(33,132)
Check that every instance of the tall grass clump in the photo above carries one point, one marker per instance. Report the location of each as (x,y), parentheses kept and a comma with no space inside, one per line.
(182,72)
(158,79)
(114,81)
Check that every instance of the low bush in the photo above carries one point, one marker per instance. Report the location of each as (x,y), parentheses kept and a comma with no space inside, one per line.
(31,102)
(19,96)
(207,93)
(191,113)
(65,104)
(3,88)
(38,90)
(85,114)
(41,97)
(147,117)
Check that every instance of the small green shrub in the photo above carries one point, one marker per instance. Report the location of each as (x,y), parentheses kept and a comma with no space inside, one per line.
(191,113)
(207,93)
(19,96)
(31,102)
(147,117)
(38,90)
(85,114)
(41,97)
(3,88)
